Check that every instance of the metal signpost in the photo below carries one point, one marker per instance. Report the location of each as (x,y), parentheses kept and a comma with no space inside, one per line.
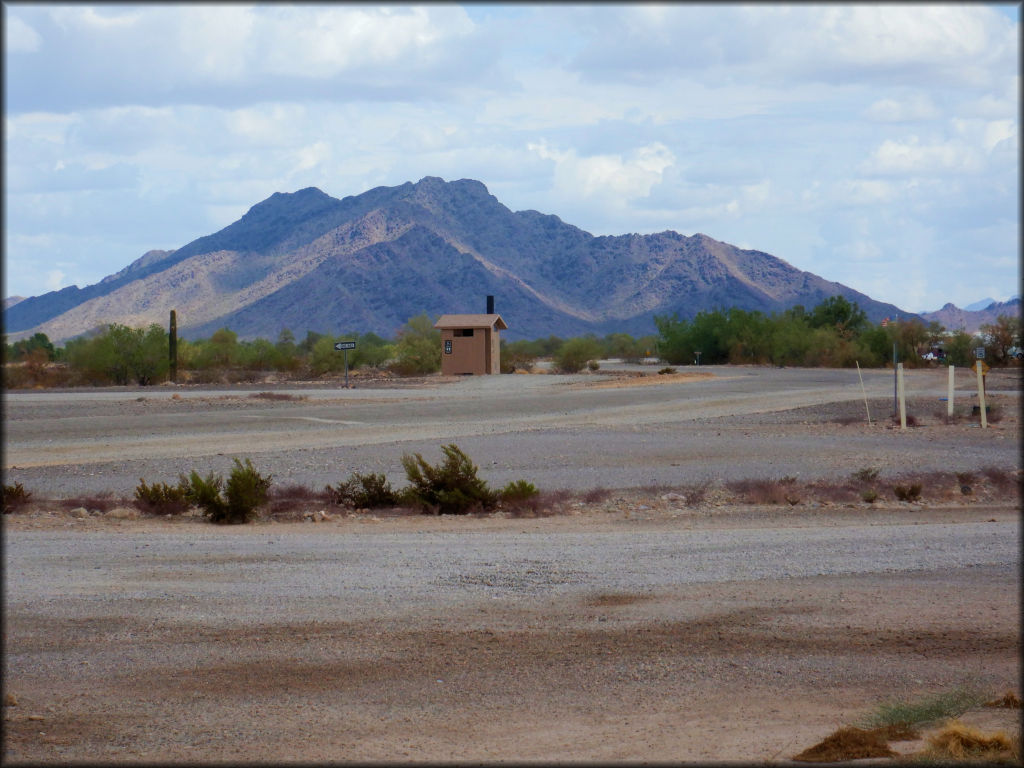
(344,346)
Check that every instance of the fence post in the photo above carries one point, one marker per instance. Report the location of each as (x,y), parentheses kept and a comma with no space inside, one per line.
(981,395)
(903,395)
(949,397)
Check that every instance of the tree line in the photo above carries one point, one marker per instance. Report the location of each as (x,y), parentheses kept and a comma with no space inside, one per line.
(836,333)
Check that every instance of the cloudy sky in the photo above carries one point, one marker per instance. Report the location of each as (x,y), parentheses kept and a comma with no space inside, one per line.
(874,145)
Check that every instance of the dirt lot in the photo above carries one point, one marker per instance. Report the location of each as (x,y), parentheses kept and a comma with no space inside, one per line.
(643,626)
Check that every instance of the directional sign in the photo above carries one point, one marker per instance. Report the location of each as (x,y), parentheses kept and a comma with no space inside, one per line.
(340,345)
(979,353)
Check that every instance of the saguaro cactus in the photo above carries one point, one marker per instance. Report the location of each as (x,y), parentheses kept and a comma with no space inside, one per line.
(173,347)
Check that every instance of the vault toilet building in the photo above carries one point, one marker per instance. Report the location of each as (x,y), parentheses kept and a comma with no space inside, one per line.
(470,344)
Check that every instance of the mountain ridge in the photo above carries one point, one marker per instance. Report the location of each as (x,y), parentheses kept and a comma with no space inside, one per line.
(307,261)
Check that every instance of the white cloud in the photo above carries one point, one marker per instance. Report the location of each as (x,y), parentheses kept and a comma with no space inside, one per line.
(88,17)
(19,37)
(910,108)
(608,176)
(56,279)
(914,157)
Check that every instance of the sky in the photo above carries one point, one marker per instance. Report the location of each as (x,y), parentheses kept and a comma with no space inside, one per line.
(876,145)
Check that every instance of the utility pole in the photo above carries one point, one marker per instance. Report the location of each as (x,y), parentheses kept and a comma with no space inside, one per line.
(172,351)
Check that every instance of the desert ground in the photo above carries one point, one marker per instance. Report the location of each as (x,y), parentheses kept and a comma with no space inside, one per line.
(648,622)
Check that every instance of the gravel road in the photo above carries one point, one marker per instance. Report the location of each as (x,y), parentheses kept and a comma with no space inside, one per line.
(574,432)
(605,637)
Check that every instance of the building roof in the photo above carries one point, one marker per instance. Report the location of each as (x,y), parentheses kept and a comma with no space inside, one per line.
(471,321)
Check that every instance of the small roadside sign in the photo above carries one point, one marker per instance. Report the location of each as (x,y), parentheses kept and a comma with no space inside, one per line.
(979,352)
(344,346)
(984,368)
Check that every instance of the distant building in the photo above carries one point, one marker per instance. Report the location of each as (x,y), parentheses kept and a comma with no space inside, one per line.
(470,344)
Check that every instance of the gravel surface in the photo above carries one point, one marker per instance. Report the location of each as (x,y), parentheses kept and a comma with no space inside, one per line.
(635,628)
(574,432)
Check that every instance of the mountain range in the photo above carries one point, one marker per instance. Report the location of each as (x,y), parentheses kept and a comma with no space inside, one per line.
(953,318)
(367,263)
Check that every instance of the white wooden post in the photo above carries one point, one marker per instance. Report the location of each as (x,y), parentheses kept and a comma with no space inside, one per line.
(949,397)
(981,395)
(902,394)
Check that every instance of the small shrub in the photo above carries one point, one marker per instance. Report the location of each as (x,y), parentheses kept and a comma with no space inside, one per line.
(364,492)
(666,370)
(596,495)
(869,495)
(910,492)
(695,494)
(769,491)
(451,487)
(246,490)
(161,498)
(593,365)
(1001,479)
(15,497)
(517,491)
(866,475)
(204,492)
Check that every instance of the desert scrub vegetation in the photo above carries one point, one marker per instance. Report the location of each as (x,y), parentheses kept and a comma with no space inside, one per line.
(15,497)
(782,490)
(901,720)
(233,502)
(369,491)
(927,709)
(161,498)
(451,487)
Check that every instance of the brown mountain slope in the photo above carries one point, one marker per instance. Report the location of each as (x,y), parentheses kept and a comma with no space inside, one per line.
(307,261)
(953,318)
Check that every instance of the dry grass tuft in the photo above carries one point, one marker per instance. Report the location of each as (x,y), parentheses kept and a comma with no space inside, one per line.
(849,743)
(770,491)
(596,495)
(962,742)
(1009,700)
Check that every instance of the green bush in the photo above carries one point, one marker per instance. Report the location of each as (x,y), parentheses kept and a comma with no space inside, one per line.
(246,490)
(364,492)
(204,492)
(907,493)
(519,490)
(15,496)
(418,350)
(866,475)
(576,353)
(451,487)
(161,498)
